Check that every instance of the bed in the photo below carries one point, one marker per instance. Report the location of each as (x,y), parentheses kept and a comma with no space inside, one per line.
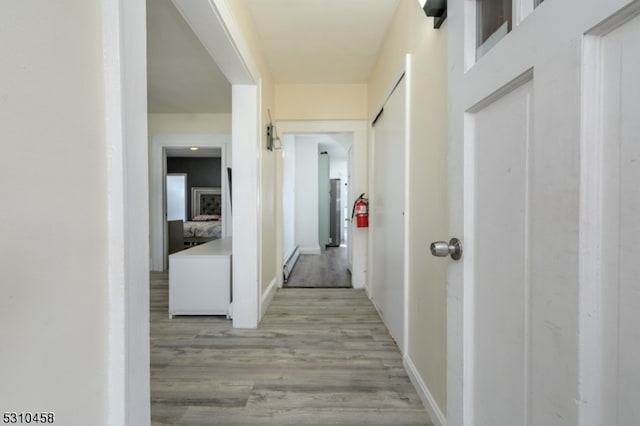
(205,224)
(206,220)
(203,228)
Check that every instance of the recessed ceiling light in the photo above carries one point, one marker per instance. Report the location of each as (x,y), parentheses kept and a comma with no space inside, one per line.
(194,148)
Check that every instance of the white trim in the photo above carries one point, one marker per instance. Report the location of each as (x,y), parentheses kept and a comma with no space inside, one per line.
(213,23)
(590,314)
(310,250)
(124,53)
(469,37)
(293,254)
(468,290)
(267,296)
(407,196)
(290,263)
(245,146)
(521,9)
(493,39)
(115,195)
(437,416)
(259,203)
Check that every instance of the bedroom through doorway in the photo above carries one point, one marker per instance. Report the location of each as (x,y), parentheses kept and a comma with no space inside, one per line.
(194,196)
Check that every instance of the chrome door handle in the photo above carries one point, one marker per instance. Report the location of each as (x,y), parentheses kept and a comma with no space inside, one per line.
(452,248)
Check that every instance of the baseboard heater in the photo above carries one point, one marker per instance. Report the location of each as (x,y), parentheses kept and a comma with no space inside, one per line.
(290,262)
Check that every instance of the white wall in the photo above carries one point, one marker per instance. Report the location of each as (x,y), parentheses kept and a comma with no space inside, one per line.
(427,215)
(338,168)
(53,176)
(181,124)
(321,101)
(411,32)
(66,275)
(306,194)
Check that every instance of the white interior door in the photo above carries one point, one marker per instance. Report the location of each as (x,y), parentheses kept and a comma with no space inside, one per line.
(176,196)
(534,337)
(387,213)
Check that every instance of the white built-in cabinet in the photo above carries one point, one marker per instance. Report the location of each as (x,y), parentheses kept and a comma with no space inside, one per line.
(200,279)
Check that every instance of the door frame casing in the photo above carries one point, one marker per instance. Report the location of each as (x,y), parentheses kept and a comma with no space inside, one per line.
(127,328)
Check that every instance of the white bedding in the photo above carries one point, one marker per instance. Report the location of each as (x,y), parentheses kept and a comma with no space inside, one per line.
(210,229)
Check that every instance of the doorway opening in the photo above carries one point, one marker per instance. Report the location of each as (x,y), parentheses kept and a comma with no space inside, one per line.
(196,198)
(315,209)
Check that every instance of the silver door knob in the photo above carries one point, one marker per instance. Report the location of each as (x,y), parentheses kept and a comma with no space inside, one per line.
(452,248)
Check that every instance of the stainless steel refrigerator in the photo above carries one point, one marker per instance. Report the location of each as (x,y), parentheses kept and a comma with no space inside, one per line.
(335,222)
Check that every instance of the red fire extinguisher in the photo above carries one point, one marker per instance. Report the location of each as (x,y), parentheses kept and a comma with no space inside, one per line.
(361,212)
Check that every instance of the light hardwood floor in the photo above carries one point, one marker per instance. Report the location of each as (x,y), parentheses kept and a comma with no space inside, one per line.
(329,269)
(320,357)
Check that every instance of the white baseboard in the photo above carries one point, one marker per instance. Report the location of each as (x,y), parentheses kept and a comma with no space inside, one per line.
(290,262)
(310,250)
(267,296)
(437,417)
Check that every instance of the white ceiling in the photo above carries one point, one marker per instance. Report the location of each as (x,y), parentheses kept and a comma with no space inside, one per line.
(304,41)
(181,76)
(336,144)
(321,41)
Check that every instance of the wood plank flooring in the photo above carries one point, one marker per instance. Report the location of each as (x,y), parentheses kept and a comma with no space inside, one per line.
(329,269)
(320,357)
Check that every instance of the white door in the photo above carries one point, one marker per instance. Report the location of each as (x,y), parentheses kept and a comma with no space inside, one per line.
(176,196)
(387,213)
(543,307)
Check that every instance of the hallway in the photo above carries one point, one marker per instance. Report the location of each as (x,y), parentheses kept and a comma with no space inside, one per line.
(320,356)
(329,269)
